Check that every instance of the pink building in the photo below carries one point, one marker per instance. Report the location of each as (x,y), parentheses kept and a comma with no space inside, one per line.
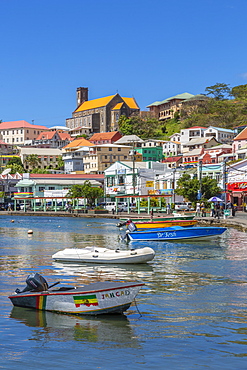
(240,140)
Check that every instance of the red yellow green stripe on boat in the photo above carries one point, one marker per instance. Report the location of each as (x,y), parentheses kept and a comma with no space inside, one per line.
(87,300)
(41,302)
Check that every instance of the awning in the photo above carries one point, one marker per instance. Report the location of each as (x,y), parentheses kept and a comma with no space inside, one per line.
(25,183)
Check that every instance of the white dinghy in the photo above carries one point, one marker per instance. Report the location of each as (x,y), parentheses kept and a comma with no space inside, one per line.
(104,255)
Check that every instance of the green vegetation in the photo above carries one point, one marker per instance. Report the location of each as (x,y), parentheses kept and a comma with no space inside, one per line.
(16,165)
(220,106)
(86,191)
(32,161)
(188,187)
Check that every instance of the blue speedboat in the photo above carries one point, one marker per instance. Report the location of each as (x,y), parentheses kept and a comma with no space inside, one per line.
(175,233)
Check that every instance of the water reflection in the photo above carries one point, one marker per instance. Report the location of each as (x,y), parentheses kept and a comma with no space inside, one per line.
(57,327)
(100,272)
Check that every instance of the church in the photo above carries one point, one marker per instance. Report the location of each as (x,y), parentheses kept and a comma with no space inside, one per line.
(99,115)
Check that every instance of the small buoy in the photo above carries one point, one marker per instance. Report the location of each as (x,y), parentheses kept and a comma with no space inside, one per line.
(59,226)
(30,231)
(12,220)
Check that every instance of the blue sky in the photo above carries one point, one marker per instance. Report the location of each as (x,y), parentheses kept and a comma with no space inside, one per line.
(149,49)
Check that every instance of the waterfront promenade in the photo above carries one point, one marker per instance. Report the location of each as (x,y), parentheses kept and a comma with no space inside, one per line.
(239,221)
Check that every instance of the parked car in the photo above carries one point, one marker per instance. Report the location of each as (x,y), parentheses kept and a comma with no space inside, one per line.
(181,206)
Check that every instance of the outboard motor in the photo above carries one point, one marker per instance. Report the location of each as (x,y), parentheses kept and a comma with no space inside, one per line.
(131,226)
(120,224)
(35,283)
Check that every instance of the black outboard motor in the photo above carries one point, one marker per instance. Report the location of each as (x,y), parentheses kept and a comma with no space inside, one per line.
(35,283)
(120,224)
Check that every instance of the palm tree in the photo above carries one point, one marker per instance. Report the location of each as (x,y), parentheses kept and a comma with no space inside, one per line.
(32,160)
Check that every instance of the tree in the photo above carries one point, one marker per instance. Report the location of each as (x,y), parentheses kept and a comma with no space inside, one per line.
(240,92)
(15,167)
(86,191)
(145,128)
(15,160)
(219,91)
(60,163)
(32,160)
(40,170)
(189,188)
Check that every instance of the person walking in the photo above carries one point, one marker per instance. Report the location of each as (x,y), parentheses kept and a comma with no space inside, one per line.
(203,214)
(198,209)
(212,206)
(217,210)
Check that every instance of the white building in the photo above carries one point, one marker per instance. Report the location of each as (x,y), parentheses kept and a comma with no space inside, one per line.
(171,148)
(119,179)
(223,135)
(191,133)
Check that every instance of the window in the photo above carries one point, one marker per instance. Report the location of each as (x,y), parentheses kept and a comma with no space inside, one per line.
(51,188)
(119,149)
(110,149)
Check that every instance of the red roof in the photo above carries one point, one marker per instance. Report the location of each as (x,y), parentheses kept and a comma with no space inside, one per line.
(172,159)
(66,176)
(105,136)
(49,135)
(196,127)
(242,135)
(20,124)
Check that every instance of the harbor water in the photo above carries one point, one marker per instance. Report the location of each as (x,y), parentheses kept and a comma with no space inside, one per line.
(191,313)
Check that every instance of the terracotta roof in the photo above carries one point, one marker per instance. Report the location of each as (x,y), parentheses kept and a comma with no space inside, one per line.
(48,135)
(45,135)
(242,135)
(172,159)
(78,142)
(20,124)
(95,103)
(65,135)
(103,136)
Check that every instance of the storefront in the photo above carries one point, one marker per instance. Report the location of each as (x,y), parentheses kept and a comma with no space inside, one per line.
(237,194)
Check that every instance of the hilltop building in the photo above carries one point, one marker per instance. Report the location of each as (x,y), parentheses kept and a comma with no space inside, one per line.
(20,132)
(168,108)
(99,115)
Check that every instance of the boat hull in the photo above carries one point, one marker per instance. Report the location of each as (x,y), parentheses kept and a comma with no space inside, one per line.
(147,219)
(105,256)
(176,233)
(95,299)
(160,224)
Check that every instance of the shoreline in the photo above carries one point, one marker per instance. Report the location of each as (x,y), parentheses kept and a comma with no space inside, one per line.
(238,222)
